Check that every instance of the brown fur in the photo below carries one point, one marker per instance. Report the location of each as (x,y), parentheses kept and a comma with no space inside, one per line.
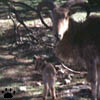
(49,77)
(80,45)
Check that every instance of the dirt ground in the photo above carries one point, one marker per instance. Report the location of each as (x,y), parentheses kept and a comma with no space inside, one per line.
(17,66)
